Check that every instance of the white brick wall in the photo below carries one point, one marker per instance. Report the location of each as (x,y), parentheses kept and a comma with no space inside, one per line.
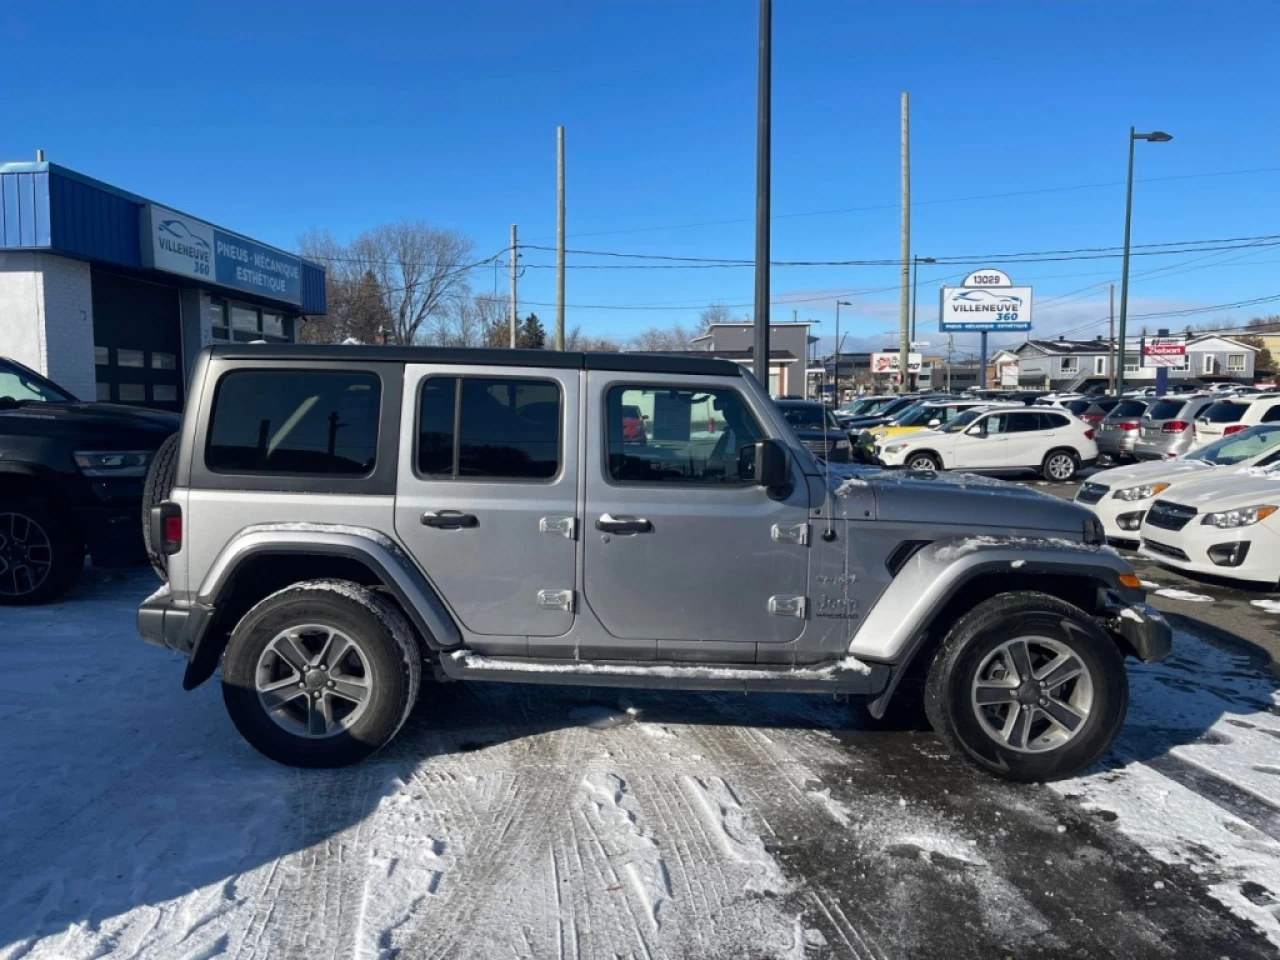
(68,324)
(46,318)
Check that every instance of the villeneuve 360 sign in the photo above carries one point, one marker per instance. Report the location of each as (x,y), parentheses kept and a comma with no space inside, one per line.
(180,244)
(986,301)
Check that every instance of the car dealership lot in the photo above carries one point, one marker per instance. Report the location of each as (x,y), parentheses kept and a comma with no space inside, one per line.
(529,821)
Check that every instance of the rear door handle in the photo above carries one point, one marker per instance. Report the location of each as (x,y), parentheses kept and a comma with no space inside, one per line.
(449,518)
(612,524)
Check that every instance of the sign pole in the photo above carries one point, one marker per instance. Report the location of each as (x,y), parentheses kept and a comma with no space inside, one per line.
(1162,372)
(982,363)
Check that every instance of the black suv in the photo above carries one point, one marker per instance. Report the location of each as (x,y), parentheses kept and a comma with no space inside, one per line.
(71,483)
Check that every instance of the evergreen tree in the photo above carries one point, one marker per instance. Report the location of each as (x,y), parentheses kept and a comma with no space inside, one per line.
(531,335)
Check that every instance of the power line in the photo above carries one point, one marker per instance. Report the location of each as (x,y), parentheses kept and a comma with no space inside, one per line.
(921,203)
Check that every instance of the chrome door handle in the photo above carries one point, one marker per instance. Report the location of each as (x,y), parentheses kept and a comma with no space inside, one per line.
(449,519)
(611,524)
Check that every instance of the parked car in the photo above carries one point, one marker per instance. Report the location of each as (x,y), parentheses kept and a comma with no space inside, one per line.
(1118,430)
(1167,427)
(1095,410)
(923,416)
(633,425)
(71,483)
(880,416)
(998,440)
(1226,525)
(1234,414)
(817,428)
(332,596)
(1120,497)
(865,406)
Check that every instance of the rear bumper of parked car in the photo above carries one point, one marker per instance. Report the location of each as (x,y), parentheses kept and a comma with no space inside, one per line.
(165,622)
(1245,553)
(1118,444)
(1165,447)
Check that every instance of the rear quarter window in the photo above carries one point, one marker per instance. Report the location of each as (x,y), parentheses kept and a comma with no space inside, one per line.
(302,422)
(1166,409)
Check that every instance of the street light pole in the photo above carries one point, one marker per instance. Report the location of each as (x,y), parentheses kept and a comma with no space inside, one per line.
(764,91)
(835,397)
(1156,136)
(915,292)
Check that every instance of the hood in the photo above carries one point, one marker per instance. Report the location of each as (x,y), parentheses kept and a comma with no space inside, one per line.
(1230,487)
(105,413)
(865,423)
(947,499)
(1153,471)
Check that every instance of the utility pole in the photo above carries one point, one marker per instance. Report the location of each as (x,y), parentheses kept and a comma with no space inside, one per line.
(1111,335)
(904,333)
(763,117)
(512,317)
(559,238)
(950,351)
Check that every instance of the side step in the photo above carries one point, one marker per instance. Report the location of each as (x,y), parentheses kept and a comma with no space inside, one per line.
(848,676)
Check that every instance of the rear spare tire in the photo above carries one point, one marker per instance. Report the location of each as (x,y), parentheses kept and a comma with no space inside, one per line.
(321,674)
(164,465)
(1028,687)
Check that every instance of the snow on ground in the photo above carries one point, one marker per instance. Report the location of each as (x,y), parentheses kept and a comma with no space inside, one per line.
(511,821)
(1173,593)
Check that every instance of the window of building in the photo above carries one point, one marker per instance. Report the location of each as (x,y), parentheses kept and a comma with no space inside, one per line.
(1132,363)
(1070,364)
(164,393)
(221,332)
(489,428)
(1099,366)
(242,323)
(301,422)
(163,361)
(102,356)
(104,392)
(132,392)
(130,358)
(272,324)
(244,318)
(683,436)
(1235,363)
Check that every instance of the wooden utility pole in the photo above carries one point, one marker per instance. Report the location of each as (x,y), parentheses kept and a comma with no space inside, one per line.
(904,311)
(764,79)
(1111,335)
(512,317)
(560,238)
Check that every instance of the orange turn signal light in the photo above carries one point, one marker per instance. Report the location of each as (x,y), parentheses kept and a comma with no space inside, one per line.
(1131,581)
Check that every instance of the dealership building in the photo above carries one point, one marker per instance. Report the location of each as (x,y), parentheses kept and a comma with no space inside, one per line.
(112,295)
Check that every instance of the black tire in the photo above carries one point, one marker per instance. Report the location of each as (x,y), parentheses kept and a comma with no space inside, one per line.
(390,658)
(1054,468)
(923,461)
(949,692)
(164,466)
(41,552)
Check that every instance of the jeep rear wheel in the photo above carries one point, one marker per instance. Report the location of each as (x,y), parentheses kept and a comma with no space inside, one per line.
(321,674)
(41,552)
(1028,687)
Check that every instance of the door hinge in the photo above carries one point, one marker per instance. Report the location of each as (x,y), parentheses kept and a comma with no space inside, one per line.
(784,606)
(556,600)
(791,533)
(566,527)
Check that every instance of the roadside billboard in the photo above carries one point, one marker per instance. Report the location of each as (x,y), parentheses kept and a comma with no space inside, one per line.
(1164,351)
(986,301)
(882,363)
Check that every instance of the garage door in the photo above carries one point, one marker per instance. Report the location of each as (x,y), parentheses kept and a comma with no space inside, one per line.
(137,338)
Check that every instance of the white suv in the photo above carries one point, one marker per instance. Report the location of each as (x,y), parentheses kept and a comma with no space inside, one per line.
(998,440)
(1234,414)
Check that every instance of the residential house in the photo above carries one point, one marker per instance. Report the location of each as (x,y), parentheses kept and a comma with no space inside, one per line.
(788,350)
(1076,364)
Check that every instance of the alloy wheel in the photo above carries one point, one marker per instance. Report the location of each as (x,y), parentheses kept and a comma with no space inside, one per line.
(313,680)
(1032,694)
(1060,466)
(26,555)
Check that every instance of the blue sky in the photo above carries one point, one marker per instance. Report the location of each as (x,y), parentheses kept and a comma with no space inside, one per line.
(271,118)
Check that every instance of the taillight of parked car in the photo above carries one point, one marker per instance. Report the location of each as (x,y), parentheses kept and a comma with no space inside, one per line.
(166,527)
(1090,417)
(1233,428)
(1174,426)
(1127,425)
(1088,434)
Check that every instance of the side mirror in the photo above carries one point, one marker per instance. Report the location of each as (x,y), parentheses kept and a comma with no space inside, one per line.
(772,464)
(934,422)
(974,431)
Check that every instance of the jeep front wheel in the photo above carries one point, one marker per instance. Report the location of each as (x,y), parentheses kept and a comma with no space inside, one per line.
(1028,687)
(321,674)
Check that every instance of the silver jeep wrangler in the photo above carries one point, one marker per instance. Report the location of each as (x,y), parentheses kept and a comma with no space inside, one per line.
(332,520)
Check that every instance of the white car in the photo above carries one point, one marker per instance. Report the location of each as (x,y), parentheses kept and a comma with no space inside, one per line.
(997,440)
(1120,497)
(1234,414)
(1227,525)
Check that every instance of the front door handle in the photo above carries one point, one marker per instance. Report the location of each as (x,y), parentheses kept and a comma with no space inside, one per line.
(611,524)
(454,519)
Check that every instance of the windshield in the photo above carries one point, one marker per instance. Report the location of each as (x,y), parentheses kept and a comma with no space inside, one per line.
(859,407)
(20,385)
(921,415)
(1241,446)
(962,421)
(809,416)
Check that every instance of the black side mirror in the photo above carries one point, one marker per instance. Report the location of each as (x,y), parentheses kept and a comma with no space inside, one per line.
(772,464)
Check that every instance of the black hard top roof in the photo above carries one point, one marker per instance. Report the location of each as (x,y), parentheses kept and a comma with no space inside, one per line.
(625,362)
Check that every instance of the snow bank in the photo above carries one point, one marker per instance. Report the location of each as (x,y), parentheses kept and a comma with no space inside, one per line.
(1173,593)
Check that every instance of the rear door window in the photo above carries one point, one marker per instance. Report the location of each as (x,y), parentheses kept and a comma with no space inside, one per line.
(489,428)
(303,422)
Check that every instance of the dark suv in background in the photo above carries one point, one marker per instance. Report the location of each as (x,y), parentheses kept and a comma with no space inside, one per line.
(71,483)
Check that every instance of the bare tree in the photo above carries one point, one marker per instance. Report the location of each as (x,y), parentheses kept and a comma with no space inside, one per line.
(715,313)
(577,340)
(473,321)
(662,340)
